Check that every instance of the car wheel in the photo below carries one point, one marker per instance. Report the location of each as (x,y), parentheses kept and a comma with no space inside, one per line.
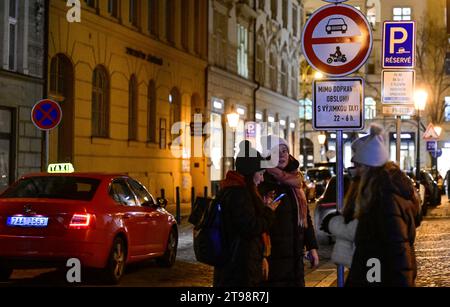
(168,259)
(116,261)
(5,273)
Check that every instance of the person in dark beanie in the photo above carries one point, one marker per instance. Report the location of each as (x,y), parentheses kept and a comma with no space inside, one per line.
(292,234)
(246,218)
(387,210)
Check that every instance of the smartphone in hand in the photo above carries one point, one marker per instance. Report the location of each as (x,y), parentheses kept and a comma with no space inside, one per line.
(279,197)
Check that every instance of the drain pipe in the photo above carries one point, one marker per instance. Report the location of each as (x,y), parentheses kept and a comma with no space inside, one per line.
(258,85)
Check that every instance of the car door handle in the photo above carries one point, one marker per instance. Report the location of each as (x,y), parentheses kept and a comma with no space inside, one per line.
(147,216)
(127,215)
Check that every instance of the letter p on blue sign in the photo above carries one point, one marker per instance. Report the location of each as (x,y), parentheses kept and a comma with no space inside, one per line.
(399,44)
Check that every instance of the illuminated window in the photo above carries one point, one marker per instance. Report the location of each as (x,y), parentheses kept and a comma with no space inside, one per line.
(242,52)
(447,109)
(370,108)
(305,110)
(401,13)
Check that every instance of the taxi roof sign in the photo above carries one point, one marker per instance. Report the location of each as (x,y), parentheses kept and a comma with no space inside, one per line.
(60,168)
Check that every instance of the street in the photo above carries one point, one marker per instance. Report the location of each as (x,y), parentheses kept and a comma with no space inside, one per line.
(432,251)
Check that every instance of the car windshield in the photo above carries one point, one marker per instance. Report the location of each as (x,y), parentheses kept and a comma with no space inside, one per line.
(57,187)
(336,21)
(330,191)
(318,175)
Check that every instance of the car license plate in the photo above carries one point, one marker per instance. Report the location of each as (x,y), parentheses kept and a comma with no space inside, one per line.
(27,221)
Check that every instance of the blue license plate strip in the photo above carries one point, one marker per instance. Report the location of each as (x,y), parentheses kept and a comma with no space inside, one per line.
(27,221)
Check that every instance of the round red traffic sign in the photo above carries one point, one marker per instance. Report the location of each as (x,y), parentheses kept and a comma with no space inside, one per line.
(46,114)
(337,40)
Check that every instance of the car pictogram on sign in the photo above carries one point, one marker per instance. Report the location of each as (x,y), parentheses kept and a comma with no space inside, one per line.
(336,25)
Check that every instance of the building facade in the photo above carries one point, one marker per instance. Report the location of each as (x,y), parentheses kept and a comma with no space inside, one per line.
(22,30)
(124,75)
(254,50)
(378,11)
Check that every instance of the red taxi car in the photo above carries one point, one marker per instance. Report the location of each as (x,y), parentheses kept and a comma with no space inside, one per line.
(105,221)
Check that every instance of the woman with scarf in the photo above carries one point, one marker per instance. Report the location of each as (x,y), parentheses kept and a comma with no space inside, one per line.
(292,231)
(247,217)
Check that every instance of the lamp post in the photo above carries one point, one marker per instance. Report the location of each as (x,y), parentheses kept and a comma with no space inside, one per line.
(322,137)
(420,101)
(233,122)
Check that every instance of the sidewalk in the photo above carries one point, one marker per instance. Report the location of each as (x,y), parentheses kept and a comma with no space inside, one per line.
(440,211)
(324,276)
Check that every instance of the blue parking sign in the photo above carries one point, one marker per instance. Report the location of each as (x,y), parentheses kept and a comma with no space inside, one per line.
(399,42)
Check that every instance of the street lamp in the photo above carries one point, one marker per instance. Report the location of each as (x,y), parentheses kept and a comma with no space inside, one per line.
(322,137)
(420,101)
(233,122)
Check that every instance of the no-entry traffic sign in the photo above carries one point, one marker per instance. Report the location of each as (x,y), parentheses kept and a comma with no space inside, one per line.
(337,40)
(338,104)
(46,114)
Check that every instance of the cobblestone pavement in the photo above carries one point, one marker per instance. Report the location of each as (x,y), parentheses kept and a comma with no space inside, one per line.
(433,253)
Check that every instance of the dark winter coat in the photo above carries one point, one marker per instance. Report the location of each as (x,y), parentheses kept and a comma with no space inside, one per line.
(244,221)
(387,232)
(288,239)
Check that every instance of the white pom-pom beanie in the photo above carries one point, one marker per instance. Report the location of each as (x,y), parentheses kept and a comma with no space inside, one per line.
(270,143)
(371,150)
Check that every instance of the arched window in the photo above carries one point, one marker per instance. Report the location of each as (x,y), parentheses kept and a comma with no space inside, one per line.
(133,109)
(370,106)
(151,115)
(100,102)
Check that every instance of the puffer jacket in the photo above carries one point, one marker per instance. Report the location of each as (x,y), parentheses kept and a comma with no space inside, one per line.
(244,225)
(288,238)
(386,232)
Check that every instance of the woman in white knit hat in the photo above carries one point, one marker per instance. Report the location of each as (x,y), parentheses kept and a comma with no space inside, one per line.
(386,207)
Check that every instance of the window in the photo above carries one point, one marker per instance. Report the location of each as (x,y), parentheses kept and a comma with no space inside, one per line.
(170,21)
(260,63)
(153,20)
(151,133)
(401,13)
(113,8)
(143,197)
(197,27)
(294,19)
(274,8)
(370,108)
(134,15)
(57,75)
(100,103)
(447,109)
(285,14)
(133,109)
(221,38)
(12,35)
(242,52)
(273,71)
(122,194)
(185,24)
(305,110)
(284,77)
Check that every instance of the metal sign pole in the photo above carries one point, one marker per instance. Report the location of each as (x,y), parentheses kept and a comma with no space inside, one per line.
(47,141)
(340,192)
(398,139)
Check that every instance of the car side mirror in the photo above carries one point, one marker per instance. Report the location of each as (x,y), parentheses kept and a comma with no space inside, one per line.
(161,202)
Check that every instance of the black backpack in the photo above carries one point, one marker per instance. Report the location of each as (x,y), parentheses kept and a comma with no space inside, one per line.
(210,244)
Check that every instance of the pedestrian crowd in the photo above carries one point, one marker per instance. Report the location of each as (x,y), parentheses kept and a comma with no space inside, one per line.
(269,230)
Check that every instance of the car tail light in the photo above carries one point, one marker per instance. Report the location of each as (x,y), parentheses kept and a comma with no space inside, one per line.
(81,221)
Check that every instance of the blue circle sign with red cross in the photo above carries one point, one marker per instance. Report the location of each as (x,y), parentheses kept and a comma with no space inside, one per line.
(46,114)
(337,40)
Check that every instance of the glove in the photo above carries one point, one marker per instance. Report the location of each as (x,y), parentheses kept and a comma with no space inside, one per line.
(326,221)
